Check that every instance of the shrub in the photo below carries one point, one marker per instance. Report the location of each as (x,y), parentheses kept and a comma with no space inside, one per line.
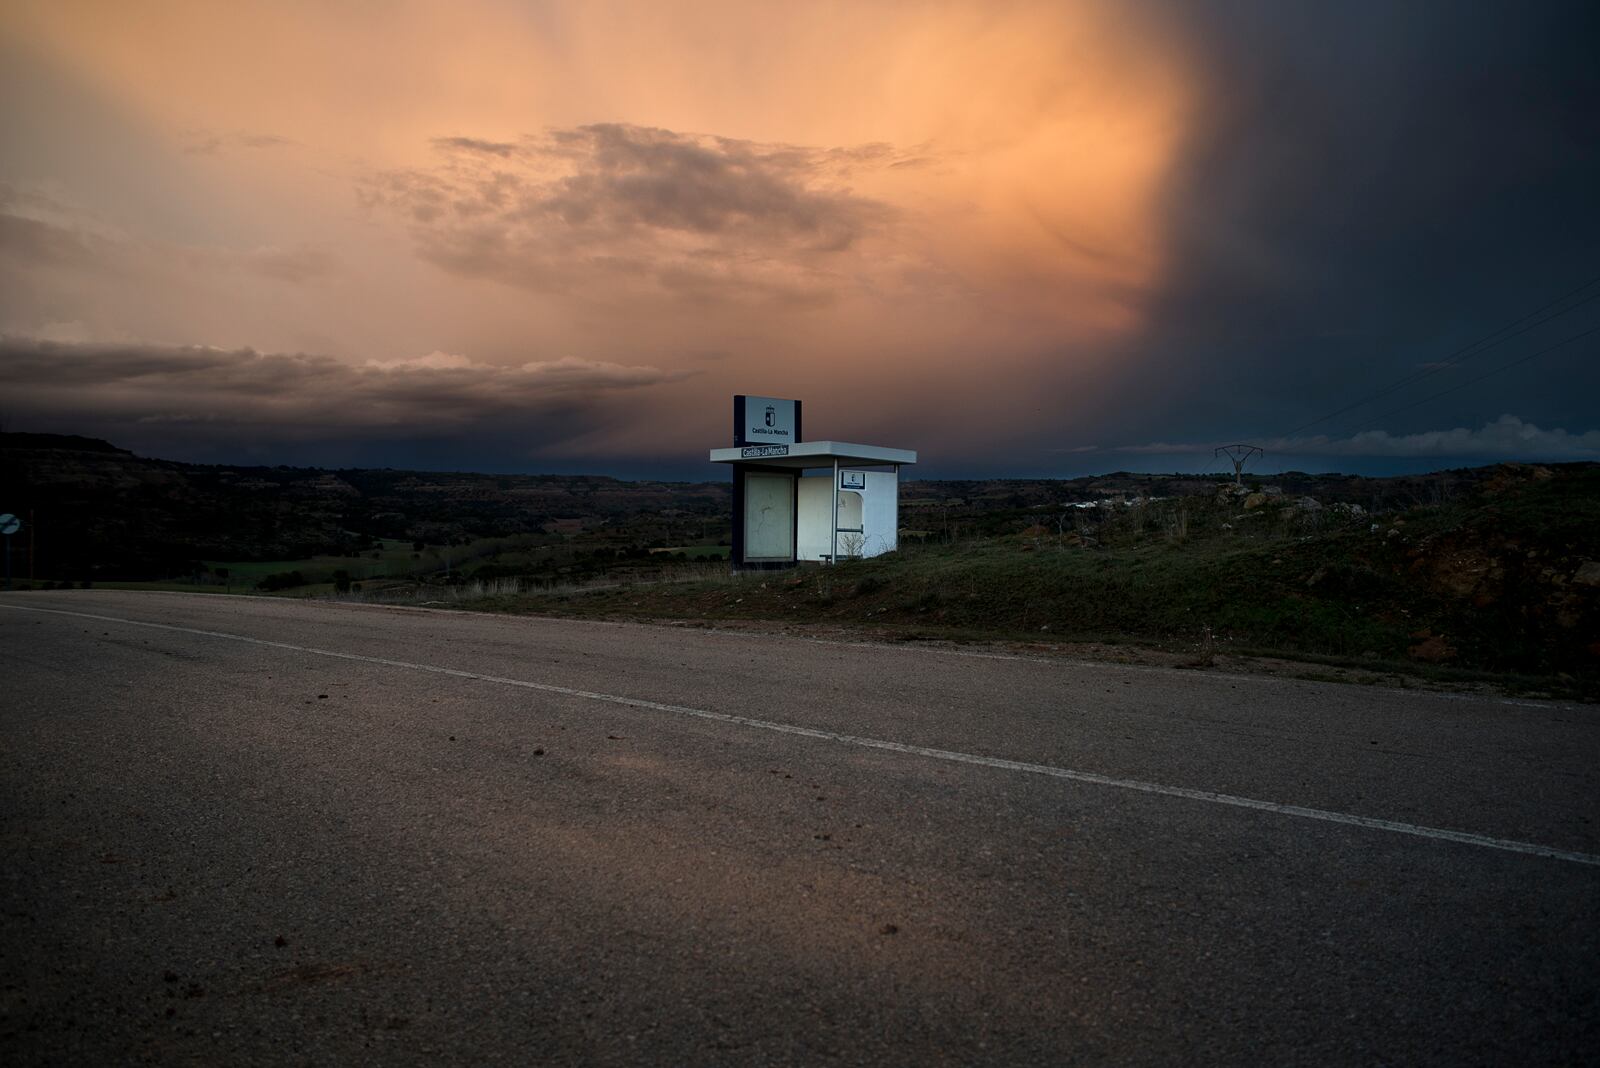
(869,584)
(282,580)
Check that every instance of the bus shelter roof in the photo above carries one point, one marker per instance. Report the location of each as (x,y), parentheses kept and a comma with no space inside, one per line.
(814,454)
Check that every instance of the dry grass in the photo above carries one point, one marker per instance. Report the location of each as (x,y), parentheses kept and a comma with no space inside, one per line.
(482,590)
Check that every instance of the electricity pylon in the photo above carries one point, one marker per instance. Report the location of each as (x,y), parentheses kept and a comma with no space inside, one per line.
(1240,455)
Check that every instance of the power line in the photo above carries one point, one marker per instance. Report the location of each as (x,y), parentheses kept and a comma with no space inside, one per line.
(1475,381)
(1462,355)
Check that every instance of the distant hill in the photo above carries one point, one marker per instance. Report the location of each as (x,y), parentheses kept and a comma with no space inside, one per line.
(100,511)
(96,510)
(67,442)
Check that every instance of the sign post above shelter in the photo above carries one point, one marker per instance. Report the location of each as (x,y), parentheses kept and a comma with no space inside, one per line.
(765,421)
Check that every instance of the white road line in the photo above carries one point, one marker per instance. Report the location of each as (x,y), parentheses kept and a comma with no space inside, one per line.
(1323,815)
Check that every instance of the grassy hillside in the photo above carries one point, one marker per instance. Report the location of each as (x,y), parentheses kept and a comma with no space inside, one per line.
(1505,578)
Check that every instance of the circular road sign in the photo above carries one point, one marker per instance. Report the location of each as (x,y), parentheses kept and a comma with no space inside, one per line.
(9,524)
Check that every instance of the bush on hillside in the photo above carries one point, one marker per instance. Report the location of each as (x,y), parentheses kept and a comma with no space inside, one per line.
(282,580)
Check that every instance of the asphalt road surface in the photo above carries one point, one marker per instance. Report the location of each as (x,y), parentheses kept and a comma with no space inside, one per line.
(243,830)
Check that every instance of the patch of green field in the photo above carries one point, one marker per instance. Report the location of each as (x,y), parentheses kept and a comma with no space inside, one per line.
(167,587)
(396,559)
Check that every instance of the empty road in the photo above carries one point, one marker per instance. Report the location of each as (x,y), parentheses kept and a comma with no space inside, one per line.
(260,831)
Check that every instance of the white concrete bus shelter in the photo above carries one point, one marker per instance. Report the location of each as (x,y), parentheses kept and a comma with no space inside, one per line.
(784,512)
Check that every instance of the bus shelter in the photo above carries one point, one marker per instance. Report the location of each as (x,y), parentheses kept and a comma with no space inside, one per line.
(819,501)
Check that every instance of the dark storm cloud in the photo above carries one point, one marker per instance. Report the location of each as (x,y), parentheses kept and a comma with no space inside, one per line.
(630,177)
(146,395)
(28,364)
(613,205)
(1365,189)
(1505,438)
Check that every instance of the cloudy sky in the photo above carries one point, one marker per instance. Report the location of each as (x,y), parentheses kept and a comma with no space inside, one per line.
(1028,239)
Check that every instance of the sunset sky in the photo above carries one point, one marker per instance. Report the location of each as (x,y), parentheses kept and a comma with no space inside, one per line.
(1023,239)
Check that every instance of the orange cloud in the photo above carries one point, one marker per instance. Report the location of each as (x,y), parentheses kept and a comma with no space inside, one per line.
(915,194)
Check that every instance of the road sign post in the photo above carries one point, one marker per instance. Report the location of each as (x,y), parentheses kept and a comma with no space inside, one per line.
(9,525)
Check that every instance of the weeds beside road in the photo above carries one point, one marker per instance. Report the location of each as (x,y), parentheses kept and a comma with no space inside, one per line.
(1503,583)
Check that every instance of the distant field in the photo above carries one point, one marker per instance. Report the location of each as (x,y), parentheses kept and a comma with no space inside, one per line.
(394,558)
(170,587)
(485,559)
